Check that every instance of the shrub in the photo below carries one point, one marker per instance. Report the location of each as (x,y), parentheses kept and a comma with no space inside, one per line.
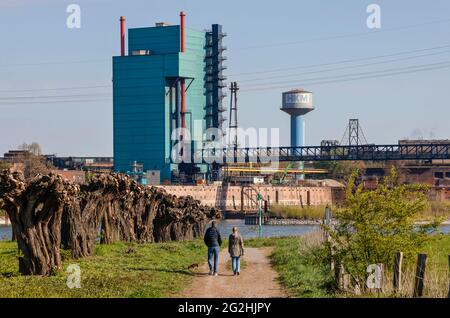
(375,224)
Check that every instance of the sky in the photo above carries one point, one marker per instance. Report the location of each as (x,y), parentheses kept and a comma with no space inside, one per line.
(394,79)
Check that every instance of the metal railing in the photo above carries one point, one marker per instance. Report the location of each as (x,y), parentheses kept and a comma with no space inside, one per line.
(323,153)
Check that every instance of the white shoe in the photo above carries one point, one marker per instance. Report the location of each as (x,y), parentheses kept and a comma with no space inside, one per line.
(215,274)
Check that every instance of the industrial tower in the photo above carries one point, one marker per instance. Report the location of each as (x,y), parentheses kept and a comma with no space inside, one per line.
(170,81)
(297,103)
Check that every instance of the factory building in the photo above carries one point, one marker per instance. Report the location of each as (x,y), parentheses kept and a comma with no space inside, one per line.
(170,80)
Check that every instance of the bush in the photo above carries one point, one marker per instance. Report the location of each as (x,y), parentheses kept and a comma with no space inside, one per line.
(375,224)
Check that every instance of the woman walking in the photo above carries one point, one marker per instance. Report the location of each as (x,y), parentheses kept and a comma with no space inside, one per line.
(236,250)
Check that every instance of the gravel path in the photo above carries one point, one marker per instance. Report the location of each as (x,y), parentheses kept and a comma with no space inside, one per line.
(257,279)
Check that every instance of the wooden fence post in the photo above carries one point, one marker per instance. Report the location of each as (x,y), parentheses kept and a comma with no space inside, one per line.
(381,278)
(338,275)
(342,279)
(398,271)
(448,296)
(420,275)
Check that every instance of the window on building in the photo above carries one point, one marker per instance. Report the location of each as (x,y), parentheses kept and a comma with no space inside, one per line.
(439,175)
(447,175)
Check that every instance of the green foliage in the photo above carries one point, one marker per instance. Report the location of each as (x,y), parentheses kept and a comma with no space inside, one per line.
(341,170)
(298,212)
(375,224)
(4,165)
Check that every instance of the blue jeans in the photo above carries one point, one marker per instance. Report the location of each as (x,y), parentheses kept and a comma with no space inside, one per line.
(236,264)
(213,251)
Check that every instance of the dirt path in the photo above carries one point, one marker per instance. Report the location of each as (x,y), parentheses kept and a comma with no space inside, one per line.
(257,279)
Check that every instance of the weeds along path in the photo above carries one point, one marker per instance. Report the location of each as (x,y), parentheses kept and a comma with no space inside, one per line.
(257,278)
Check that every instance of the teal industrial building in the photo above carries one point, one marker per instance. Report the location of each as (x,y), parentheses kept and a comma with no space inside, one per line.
(170,79)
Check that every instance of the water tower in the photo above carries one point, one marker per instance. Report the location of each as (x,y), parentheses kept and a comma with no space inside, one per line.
(297,103)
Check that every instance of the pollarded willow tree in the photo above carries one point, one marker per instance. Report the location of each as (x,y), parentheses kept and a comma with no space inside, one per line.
(48,211)
(35,210)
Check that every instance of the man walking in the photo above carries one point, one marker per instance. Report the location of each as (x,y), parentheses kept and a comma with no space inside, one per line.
(213,241)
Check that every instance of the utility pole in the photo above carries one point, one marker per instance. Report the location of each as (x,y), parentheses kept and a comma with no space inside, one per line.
(233,124)
(353,132)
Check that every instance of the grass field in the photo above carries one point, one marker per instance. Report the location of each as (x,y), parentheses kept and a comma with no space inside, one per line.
(118,270)
(437,276)
(301,270)
(161,270)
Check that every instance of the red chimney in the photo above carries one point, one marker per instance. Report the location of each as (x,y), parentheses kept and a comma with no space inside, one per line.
(122,36)
(182,15)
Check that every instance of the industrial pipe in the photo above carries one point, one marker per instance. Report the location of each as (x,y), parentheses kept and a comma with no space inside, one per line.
(183,103)
(183,84)
(182,15)
(122,36)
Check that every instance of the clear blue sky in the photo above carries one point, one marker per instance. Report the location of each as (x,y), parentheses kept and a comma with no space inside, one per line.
(38,51)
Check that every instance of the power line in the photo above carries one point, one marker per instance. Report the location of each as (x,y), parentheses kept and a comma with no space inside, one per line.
(54,89)
(351,79)
(334,37)
(342,61)
(55,63)
(252,47)
(57,102)
(353,74)
(346,67)
(52,96)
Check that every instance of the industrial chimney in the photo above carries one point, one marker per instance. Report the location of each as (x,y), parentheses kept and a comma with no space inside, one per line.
(122,36)
(182,15)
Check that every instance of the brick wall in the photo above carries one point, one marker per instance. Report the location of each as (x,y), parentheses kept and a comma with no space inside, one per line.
(235,197)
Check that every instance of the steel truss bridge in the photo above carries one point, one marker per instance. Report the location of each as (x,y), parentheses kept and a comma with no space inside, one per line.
(324,153)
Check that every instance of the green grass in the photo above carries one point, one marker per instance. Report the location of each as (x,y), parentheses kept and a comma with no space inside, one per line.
(302,270)
(161,270)
(299,267)
(436,277)
(297,212)
(150,270)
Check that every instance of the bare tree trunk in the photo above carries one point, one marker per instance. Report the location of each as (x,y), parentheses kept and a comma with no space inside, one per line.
(48,211)
(35,212)
(83,222)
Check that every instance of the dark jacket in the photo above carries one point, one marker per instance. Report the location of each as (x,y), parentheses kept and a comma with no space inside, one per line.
(235,245)
(212,237)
